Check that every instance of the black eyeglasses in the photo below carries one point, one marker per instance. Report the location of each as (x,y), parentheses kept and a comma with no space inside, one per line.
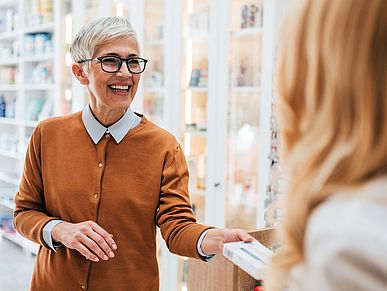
(112,64)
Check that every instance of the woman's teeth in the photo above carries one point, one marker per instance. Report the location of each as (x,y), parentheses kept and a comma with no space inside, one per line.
(119,87)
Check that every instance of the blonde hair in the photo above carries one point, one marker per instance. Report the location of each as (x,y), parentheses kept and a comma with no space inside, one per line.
(332,105)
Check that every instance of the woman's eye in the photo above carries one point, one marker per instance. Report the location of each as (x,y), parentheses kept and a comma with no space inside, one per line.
(111,61)
(133,62)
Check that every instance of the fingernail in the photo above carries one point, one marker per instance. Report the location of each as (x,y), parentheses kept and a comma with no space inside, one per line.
(114,246)
(105,257)
(111,254)
(96,260)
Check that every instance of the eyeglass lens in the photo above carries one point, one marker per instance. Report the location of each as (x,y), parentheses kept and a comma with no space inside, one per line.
(113,64)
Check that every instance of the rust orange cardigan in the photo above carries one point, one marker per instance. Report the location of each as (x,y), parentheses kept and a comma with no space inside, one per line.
(142,184)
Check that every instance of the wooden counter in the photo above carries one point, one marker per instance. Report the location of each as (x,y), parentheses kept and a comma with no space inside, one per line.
(220,274)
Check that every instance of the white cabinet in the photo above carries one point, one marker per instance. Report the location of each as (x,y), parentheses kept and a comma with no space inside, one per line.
(30,86)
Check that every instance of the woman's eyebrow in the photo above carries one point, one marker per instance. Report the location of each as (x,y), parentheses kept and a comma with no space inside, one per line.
(117,55)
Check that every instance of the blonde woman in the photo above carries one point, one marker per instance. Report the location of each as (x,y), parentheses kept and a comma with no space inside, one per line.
(332,81)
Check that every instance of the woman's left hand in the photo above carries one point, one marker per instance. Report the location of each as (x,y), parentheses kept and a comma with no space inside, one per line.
(214,239)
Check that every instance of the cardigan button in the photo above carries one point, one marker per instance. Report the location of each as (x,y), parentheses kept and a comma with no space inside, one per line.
(95,196)
(83,287)
(107,135)
(100,165)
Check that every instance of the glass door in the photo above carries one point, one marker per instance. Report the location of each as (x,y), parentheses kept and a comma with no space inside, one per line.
(243,138)
(154,83)
(195,95)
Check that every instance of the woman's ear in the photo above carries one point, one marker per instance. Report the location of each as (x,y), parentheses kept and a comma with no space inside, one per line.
(79,74)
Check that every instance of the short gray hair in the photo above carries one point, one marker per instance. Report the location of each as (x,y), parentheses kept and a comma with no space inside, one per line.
(99,32)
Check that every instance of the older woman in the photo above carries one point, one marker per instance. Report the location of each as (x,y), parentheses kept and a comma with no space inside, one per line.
(333,114)
(96,183)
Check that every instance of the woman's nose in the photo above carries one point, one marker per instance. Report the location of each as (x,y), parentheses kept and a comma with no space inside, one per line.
(124,70)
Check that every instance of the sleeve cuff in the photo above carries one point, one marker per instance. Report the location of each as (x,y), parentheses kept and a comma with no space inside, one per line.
(199,246)
(47,237)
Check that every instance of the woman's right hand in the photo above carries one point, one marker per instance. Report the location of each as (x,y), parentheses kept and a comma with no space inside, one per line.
(88,238)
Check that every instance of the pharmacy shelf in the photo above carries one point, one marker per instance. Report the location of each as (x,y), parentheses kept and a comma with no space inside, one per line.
(29,123)
(11,61)
(9,88)
(9,121)
(39,87)
(46,27)
(39,58)
(250,89)
(154,89)
(156,42)
(9,35)
(247,32)
(199,37)
(198,192)
(9,179)
(198,89)
(9,154)
(196,132)
(8,4)
(19,240)
(7,204)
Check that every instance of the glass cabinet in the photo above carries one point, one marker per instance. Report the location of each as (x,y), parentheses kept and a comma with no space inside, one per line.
(153,79)
(243,137)
(195,98)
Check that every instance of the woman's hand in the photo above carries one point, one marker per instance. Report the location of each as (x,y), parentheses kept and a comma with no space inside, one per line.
(214,239)
(88,238)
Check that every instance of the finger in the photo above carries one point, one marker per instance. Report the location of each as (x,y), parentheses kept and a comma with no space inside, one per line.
(84,251)
(102,243)
(94,247)
(244,236)
(107,236)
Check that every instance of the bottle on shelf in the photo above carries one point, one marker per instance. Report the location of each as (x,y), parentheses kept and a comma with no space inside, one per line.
(3,106)
(10,108)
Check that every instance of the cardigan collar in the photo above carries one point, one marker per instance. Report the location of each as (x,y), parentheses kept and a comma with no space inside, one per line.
(117,130)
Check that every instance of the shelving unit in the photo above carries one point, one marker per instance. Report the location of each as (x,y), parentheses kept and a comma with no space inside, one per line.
(30,81)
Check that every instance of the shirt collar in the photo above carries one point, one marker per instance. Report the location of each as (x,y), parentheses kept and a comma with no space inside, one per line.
(117,130)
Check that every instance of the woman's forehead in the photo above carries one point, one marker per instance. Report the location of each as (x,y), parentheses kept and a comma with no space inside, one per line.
(123,47)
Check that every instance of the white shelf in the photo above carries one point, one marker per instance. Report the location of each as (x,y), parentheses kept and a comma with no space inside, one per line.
(11,121)
(29,123)
(247,32)
(197,192)
(8,4)
(246,89)
(13,237)
(9,88)
(8,179)
(197,132)
(203,36)
(9,35)
(155,42)
(154,89)
(39,58)
(45,27)
(9,61)
(7,204)
(21,241)
(39,87)
(9,154)
(198,89)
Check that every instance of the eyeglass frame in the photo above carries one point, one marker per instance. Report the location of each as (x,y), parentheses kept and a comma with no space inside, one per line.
(119,67)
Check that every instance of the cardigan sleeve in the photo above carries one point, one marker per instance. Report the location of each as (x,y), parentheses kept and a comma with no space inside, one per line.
(30,213)
(175,216)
